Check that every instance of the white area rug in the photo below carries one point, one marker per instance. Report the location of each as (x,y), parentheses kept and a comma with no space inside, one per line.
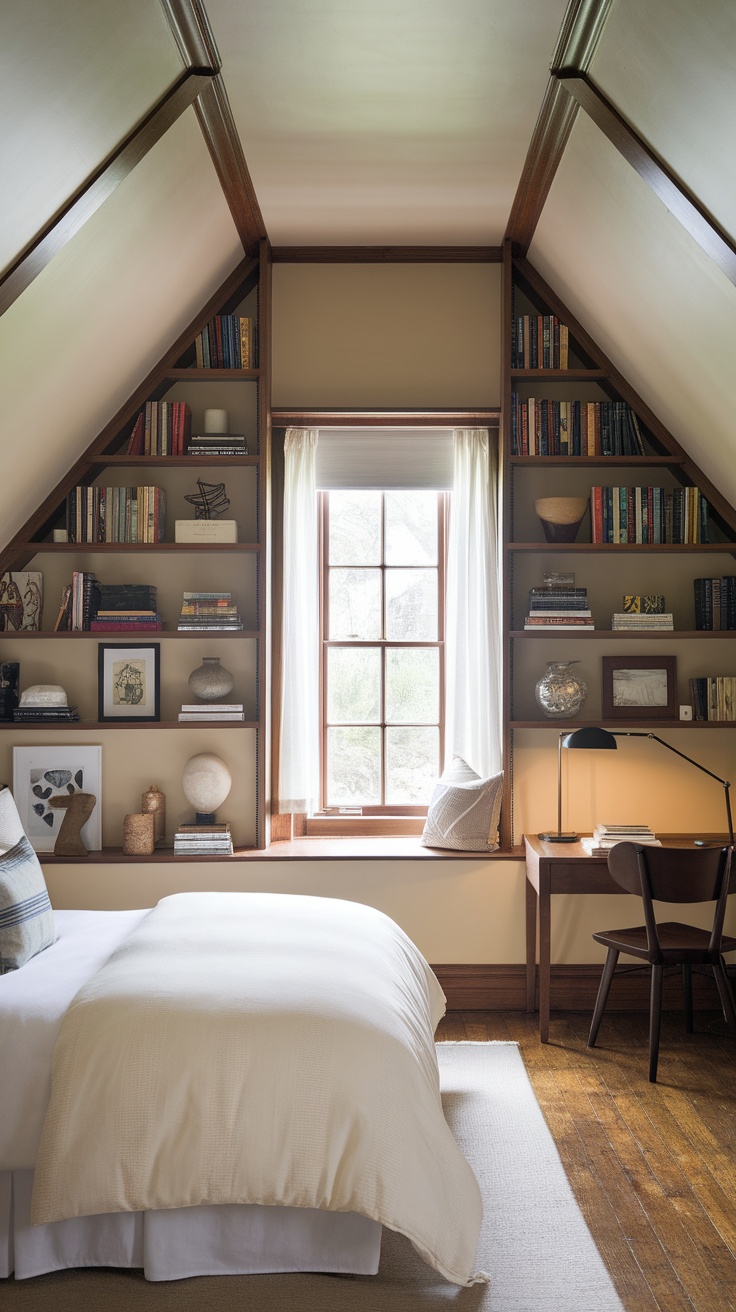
(535,1244)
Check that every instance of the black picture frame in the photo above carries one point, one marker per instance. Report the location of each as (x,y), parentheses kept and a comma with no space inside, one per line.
(128,682)
(639,688)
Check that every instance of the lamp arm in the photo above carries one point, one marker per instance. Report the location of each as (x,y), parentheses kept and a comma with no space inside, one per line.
(726,783)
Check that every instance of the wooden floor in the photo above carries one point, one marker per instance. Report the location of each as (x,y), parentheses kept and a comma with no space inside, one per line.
(653,1166)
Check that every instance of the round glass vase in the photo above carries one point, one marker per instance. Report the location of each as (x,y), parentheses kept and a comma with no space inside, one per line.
(560,692)
(211,682)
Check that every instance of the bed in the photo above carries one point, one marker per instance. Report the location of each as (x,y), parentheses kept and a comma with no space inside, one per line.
(308,1119)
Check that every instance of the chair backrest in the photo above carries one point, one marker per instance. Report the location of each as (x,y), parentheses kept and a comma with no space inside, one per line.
(674,874)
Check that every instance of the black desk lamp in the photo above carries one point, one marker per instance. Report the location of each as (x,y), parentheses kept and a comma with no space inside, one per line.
(589,737)
(602,739)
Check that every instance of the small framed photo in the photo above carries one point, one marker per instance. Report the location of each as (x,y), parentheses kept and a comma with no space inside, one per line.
(639,688)
(128,681)
(43,773)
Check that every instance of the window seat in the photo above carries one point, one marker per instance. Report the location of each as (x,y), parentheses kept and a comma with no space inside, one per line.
(390,847)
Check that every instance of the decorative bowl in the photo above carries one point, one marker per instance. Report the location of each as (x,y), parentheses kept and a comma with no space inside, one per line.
(561,516)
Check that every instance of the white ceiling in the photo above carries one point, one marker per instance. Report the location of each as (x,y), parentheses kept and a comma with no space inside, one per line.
(382,122)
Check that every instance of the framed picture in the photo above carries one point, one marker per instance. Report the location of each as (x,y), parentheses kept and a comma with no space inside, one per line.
(128,681)
(639,688)
(42,773)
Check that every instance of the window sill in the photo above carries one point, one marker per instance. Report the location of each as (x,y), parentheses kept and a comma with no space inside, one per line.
(391,847)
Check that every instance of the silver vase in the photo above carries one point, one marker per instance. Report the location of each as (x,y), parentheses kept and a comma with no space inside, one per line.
(211,682)
(560,692)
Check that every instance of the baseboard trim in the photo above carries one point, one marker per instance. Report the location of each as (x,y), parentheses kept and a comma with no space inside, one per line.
(572,988)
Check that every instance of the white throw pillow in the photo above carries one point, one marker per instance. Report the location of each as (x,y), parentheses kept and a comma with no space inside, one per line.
(464,811)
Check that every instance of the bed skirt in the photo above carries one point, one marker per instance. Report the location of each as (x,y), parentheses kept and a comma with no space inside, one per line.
(191,1241)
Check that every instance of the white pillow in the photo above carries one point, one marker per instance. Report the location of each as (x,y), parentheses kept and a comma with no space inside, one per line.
(464,811)
(11,825)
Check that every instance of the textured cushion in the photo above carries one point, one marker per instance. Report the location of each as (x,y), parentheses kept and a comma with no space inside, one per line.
(11,826)
(464,810)
(26,918)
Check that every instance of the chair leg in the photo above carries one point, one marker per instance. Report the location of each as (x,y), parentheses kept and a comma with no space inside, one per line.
(726,992)
(687,989)
(655,1018)
(603,991)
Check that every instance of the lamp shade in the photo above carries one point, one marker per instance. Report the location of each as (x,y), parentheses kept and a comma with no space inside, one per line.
(591,737)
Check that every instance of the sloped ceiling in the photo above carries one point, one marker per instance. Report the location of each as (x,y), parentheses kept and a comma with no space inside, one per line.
(361,123)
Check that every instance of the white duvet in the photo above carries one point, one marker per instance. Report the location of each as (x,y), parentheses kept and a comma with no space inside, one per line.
(259,1048)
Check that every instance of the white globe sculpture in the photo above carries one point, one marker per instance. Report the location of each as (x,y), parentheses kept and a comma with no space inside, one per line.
(206,781)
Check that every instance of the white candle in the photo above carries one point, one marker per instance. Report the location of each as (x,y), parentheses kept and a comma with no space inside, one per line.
(215,421)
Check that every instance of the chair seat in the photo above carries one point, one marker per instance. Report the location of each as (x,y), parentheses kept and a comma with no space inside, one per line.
(685,941)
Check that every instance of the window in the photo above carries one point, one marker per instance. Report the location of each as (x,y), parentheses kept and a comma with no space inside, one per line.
(382,649)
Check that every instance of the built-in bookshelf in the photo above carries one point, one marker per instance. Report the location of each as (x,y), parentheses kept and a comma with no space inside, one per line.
(653,525)
(114,518)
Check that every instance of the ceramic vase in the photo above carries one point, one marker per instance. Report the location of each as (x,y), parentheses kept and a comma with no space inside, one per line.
(211,682)
(560,692)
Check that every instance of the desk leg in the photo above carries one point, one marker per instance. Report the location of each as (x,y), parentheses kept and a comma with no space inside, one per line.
(544,957)
(531,946)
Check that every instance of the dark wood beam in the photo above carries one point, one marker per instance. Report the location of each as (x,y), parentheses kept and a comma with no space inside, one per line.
(283,418)
(191,30)
(386,254)
(99,185)
(685,206)
(579,36)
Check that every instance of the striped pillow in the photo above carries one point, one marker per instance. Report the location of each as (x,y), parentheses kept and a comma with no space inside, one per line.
(464,811)
(26,918)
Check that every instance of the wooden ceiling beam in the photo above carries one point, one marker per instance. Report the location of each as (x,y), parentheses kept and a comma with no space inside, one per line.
(581,30)
(386,254)
(683,204)
(191,30)
(99,185)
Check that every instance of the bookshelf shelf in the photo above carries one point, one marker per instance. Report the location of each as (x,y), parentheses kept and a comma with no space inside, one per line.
(84,726)
(538,414)
(101,635)
(194,375)
(147,548)
(177,462)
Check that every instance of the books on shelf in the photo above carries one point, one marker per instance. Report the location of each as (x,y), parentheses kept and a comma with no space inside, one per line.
(222,711)
(116,514)
(715,603)
(161,429)
(203,840)
(714,698)
(217,444)
(206,530)
(648,515)
(558,605)
(45,714)
(539,341)
(202,611)
(606,836)
(642,623)
(543,427)
(229,341)
(120,622)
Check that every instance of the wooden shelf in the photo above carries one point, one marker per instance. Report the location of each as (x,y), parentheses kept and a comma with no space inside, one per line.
(176,462)
(654,548)
(104,548)
(521,462)
(624,635)
(84,726)
(575,375)
(116,635)
(569,725)
(195,375)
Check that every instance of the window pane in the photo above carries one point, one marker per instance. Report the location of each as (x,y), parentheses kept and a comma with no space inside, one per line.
(355,528)
(353,685)
(355,604)
(353,767)
(412,765)
(412,685)
(411,528)
(411,605)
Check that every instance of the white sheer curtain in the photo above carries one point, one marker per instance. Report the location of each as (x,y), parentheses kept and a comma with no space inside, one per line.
(299,739)
(472,646)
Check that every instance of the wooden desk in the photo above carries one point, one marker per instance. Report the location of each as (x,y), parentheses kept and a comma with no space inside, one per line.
(562,868)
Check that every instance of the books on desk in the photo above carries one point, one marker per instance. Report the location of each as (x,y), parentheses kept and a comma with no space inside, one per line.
(605,836)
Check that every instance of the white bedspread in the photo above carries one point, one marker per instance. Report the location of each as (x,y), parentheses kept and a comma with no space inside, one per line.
(259,1048)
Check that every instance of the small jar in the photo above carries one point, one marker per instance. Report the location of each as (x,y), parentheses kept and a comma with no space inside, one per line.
(560,693)
(138,837)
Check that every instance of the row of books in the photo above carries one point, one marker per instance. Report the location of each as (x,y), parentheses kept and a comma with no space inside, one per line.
(715,602)
(227,342)
(194,712)
(714,698)
(574,428)
(649,515)
(45,714)
(79,602)
(116,514)
(161,429)
(539,341)
(203,840)
(206,611)
(206,445)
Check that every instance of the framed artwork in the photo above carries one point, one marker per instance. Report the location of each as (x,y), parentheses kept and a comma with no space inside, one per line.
(42,773)
(128,681)
(21,600)
(639,688)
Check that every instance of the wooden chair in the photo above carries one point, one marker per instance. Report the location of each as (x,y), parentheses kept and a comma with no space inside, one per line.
(668,874)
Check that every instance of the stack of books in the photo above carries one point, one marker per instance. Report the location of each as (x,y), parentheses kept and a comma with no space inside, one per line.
(206,611)
(205,445)
(558,605)
(45,714)
(203,840)
(193,712)
(126,608)
(650,623)
(605,836)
